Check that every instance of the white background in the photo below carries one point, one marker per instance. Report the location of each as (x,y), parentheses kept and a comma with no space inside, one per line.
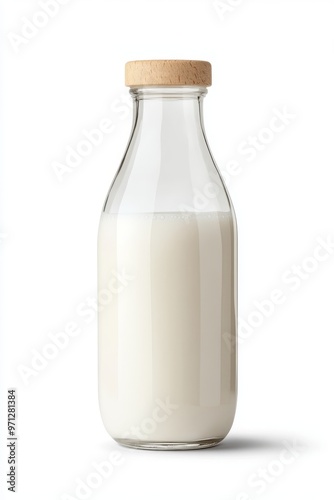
(266,55)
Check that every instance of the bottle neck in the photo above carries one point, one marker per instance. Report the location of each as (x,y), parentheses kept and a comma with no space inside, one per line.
(175,113)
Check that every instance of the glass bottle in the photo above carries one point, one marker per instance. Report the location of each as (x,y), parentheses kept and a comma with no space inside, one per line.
(167,272)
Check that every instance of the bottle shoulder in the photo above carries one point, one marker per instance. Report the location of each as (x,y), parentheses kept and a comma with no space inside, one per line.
(166,172)
(148,186)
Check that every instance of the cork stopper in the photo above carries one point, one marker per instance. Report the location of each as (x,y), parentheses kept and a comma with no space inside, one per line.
(167,72)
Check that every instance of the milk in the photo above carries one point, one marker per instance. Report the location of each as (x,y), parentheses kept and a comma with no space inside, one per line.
(167,326)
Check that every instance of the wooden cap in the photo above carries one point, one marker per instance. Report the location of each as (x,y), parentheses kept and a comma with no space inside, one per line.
(167,72)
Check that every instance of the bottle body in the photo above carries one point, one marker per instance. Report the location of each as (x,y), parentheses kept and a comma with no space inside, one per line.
(167,283)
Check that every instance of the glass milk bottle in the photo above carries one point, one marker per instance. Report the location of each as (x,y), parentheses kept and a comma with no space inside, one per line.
(167,272)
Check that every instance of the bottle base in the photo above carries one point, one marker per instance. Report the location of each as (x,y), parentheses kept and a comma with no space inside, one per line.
(169,445)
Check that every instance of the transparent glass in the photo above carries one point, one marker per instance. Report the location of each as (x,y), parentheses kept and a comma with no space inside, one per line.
(167,282)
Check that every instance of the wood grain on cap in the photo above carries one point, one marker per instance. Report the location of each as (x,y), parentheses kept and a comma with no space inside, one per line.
(167,72)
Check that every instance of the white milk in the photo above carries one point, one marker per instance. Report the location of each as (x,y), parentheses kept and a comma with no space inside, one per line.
(167,326)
